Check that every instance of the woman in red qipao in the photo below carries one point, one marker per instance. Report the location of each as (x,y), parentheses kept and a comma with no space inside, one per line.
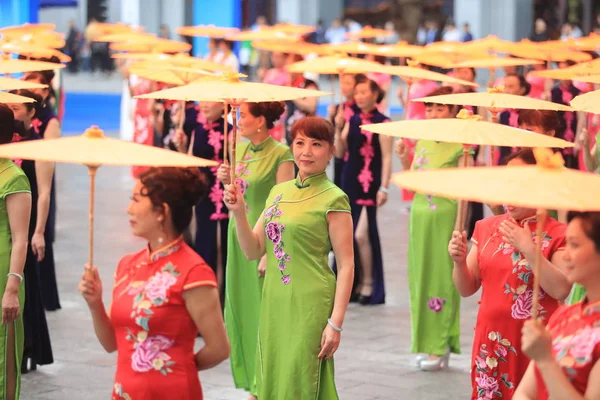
(500,259)
(162,296)
(566,356)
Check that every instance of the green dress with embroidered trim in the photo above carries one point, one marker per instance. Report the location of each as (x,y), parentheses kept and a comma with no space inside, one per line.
(434,301)
(256,174)
(578,292)
(299,290)
(12,180)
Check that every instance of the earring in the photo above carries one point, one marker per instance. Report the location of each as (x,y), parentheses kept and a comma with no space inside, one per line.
(160,238)
(258,130)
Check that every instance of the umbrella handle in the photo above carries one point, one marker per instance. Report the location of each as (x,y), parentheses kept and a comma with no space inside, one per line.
(541,221)
(461,212)
(226,134)
(234,111)
(408,86)
(92,173)
(182,116)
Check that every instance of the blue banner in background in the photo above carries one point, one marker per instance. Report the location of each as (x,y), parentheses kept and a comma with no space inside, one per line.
(57,3)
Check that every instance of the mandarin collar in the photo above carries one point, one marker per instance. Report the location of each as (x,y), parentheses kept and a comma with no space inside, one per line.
(164,251)
(261,146)
(306,182)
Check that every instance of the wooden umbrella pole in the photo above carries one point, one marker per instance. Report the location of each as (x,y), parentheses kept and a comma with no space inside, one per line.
(332,87)
(408,86)
(226,133)
(234,111)
(182,117)
(341,105)
(461,211)
(92,173)
(541,221)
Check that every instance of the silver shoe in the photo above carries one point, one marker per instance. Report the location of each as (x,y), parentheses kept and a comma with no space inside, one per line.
(435,365)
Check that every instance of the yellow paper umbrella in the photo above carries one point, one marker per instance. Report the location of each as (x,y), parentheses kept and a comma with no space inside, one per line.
(588,102)
(93,149)
(181,64)
(53,40)
(170,75)
(400,49)
(155,45)
(576,71)
(27,28)
(355,48)
(118,27)
(336,65)
(10,66)
(547,185)
(210,31)
(368,32)
(447,59)
(15,84)
(264,33)
(497,62)
(490,43)
(298,47)
(13,98)
(495,99)
(234,92)
(418,73)
(33,51)
(547,52)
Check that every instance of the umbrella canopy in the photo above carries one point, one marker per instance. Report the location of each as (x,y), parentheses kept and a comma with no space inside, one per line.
(420,73)
(15,84)
(210,31)
(555,52)
(573,72)
(490,43)
(170,75)
(34,51)
(27,28)
(284,47)
(229,88)
(293,29)
(547,185)
(494,99)
(11,66)
(588,102)
(336,65)
(13,98)
(265,33)
(125,37)
(149,46)
(118,27)
(465,129)
(94,149)
(368,32)
(48,39)
(186,64)
(448,60)
(497,62)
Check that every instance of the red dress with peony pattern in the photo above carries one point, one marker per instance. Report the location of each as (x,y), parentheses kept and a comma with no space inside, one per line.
(575,333)
(155,334)
(497,364)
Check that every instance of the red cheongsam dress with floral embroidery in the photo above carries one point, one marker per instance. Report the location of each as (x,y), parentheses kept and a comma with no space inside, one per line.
(575,333)
(155,334)
(498,365)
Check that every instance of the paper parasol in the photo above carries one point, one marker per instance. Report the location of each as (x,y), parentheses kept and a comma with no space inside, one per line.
(118,27)
(210,31)
(447,60)
(576,71)
(588,102)
(494,99)
(490,43)
(419,73)
(125,37)
(47,39)
(13,98)
(293,29)
(262,34)
(93,149)
(34,51)
(149,46)
(368,32)
(547,185)
(20,30)
(546,52)
(297,48)
(496,62)
(336,65)
(15,84)
(234,92)
(11,66)
(170,75)
(181,64)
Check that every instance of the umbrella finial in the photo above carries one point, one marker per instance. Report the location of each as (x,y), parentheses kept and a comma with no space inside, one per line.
(93,132)
(232,76)
(467,114)
(496,89)
(546,158)
(412,63)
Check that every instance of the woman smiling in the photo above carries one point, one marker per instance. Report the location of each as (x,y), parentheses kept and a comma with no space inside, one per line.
(303,307)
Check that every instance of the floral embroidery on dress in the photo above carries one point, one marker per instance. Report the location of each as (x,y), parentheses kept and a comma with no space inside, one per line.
(274,232)
(36,124)
(167,251)
(119,394)
(576,350)
(365,177)
(420,164)
(522,295)
(569,135)
(436,304)
(149,351)
(215,139)
(486,363)
(241,169)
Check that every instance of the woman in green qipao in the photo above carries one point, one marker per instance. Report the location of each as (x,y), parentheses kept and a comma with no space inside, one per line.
(15,210)
(303,306)
(261,164)
(434,301)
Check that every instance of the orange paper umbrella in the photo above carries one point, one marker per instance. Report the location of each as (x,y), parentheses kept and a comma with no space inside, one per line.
(297,48)
(234,92)
(293,29)
(547,52)
(490,43)
(265,33)
(411,73)
(547,185)
(495,99)
(25,29)
(336,65)
(33,51)
(368,32)
(52,40)
(210,31)
(13,98)
(401,49)
(15,84)
(184,64)
(576,71)
(93,149)
(169,74)
(448,60)
(496,62)
(9,66)
(125,37)
(588,102)
(148,46)
(118,27)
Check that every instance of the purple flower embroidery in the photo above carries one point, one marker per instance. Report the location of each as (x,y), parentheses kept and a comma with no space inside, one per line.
(436,304)
(270,211)
(149,354)
(521,308)
(286,279)
(156,288)
(243,185)
(273,231)
(487,384)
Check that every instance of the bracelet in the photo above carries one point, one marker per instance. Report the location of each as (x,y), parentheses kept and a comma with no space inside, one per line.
(384,190)
(17,275)
(335,328)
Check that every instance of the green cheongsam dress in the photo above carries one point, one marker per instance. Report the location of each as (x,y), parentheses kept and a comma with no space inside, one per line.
(299,290)
(12,181)
(256,174)
(434,301)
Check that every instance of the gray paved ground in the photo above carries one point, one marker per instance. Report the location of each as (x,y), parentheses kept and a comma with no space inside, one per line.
(372,363)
